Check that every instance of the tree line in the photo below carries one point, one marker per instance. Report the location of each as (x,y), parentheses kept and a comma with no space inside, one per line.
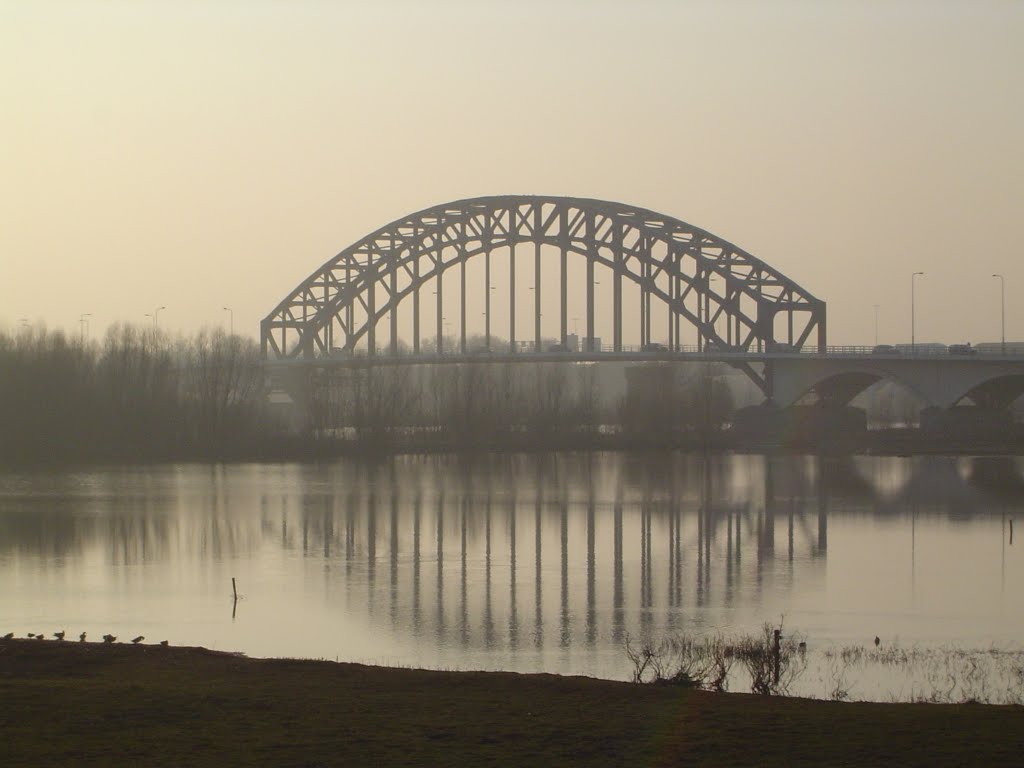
(139,394)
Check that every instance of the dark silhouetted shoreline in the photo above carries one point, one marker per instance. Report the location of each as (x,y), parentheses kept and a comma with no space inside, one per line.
(92,704)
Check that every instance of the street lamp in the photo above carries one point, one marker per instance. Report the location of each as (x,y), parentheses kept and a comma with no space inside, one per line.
(487,312)
(83,324)
(1002,310)
(156,317)
(913,340)
(232,315)
(876,324)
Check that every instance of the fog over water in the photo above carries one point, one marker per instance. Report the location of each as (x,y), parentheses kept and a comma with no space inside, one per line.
(526,563)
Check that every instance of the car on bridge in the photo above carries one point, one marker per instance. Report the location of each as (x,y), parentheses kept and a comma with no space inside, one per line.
(654,347)
(780,346)
(884,349)
(711,345)
(963,350)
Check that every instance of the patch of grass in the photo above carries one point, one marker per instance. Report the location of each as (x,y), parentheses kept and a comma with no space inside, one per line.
(89,704)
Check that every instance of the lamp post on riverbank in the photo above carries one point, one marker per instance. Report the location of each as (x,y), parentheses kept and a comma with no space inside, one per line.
(1002,311)
(913,339)
(876,324)
(231,314)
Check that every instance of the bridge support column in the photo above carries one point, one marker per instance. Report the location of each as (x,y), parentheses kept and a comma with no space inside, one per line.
(349,314)
(819,313)
(462,296)
(439,307)
(673,295)
(487,298)
(511,292)
(645,305)
(617,292)
(536,289)
(371,318)
(416,306)
(565,298)
(590,306)
(393,267)
(678,295)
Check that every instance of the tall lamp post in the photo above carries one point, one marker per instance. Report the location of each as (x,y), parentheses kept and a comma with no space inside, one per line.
(83,324)
(876,324)
(913,339)
(156,318)
(231,314)
(1002,311)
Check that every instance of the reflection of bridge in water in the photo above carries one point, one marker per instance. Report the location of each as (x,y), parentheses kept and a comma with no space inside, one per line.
(461,557)
(530,558)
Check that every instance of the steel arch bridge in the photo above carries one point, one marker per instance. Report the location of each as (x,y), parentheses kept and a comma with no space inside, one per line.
(735,301)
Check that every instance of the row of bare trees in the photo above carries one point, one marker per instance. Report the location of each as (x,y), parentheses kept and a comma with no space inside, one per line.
(480,404)
(463,404)
(137,394)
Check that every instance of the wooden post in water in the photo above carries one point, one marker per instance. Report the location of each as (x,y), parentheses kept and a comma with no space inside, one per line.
(234,590)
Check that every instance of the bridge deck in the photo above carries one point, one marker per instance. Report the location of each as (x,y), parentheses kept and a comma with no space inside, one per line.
(635,354)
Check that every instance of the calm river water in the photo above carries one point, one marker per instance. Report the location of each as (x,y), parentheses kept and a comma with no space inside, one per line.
(517,562)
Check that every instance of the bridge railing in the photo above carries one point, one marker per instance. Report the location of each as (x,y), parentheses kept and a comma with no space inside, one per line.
(692,350)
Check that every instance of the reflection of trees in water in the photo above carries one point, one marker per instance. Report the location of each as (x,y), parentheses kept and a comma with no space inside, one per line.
(508,550)
(128,528)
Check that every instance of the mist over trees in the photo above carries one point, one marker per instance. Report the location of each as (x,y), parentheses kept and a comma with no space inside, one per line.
(136,394)
(141,395)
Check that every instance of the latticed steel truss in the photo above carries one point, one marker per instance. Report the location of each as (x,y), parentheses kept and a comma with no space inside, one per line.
(732,298)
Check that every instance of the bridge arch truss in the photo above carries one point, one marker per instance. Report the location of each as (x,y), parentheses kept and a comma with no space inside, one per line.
(733,300)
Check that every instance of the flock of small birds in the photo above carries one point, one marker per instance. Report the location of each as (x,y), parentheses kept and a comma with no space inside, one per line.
(81,638)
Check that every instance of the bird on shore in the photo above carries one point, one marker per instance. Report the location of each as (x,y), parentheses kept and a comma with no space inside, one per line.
(877,641)
(59,635)
(40,636)
(81,638)
(137,640)
(163,643)
(31,635)
(109,638)
(9,636)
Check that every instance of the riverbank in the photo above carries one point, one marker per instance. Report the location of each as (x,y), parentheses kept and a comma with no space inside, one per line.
(92,704)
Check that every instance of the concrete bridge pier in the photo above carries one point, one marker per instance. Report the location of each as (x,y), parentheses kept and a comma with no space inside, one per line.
(292,392)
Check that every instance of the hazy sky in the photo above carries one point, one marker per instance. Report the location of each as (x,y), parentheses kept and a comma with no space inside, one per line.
(197,155)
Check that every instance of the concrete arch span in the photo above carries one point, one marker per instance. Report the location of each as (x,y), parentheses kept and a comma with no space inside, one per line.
(938,382)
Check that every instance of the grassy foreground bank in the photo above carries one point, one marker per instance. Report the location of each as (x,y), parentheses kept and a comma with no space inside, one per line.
(90,704)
